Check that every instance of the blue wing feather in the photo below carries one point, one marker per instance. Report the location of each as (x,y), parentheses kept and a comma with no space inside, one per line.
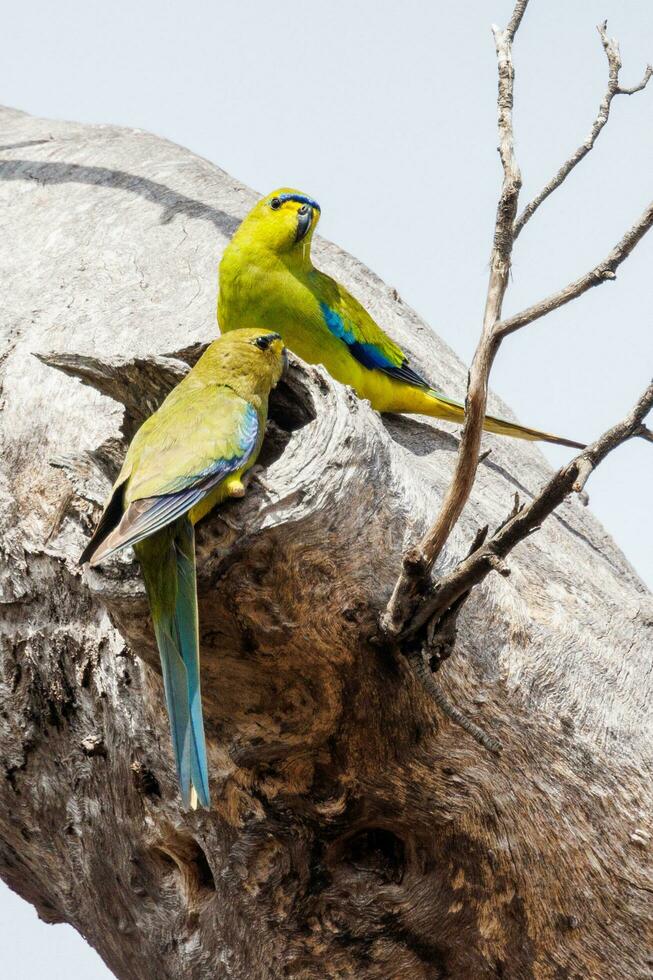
(370,355)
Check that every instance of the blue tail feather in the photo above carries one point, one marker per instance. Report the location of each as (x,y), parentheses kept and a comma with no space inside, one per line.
(175,683)
(168,563)
(187,626)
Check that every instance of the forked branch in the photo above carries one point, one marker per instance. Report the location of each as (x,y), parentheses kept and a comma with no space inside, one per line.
(605,271)
(488,557)
(408,611)
(419,561)
(612,53)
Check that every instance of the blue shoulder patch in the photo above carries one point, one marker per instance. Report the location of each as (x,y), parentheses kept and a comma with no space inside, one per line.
(369,355)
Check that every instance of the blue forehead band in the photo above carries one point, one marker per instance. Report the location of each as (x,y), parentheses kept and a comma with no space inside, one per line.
(300,199)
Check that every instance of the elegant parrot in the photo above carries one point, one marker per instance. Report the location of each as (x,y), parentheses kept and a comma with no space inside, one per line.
(186,458)
(267,276)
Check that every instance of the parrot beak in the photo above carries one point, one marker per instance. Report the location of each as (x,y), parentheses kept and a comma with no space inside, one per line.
(304,222)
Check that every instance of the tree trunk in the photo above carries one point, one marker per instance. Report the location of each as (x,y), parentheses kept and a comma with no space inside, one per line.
(355,831)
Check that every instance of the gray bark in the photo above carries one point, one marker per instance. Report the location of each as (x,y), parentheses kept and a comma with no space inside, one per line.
(355,831)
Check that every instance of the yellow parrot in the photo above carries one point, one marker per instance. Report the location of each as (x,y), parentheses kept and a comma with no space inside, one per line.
(267,277)
(186,458)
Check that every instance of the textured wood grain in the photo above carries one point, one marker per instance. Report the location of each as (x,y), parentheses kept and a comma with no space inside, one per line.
(356,832)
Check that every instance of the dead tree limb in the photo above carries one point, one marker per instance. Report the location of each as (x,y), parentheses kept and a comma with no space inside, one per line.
(604,271)
(413,581)
(419,560)
(614,88)
(489,555)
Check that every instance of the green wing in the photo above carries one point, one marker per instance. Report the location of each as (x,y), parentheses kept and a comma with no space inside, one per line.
(198,432)
(200,435)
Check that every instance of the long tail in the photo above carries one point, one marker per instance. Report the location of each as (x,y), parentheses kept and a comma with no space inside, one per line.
(443,407)
(168,562)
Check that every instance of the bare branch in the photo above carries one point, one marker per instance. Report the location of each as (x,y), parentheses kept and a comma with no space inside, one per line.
(414,580)
(604,271)
(648,72)
(611,48)
(525,520)
(515,20)
(420,559)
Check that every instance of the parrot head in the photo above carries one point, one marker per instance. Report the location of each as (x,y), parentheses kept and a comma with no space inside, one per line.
(250,361)
(283,222)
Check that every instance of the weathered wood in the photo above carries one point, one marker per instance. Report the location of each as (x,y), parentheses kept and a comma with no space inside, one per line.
(356,832)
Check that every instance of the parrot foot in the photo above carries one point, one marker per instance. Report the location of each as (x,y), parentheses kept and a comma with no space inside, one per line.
(235,488)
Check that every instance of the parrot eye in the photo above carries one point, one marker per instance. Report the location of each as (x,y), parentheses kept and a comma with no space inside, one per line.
(275,203)
(264,342)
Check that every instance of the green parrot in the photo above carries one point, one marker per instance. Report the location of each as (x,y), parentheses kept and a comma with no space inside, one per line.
(267,276)
(186,458)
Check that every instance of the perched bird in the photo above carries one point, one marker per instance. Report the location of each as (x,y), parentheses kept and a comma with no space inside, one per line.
(267,276)
(186,458)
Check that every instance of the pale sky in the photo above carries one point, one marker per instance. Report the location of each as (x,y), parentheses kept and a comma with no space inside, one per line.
(386,113)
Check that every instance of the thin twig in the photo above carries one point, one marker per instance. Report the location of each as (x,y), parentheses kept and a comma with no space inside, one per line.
(631,90)
(523,521)
(421,668)
(515,20)
(419,560)
(611,48)
(603,272)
